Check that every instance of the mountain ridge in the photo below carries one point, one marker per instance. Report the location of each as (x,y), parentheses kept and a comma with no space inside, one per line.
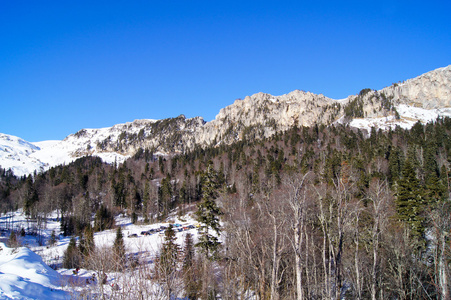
(423,98)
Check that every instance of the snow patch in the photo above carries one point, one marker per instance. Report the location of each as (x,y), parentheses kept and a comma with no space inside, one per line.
(23,275)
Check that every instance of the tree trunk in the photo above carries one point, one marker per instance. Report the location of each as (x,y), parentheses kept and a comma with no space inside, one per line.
(275,265)
(298,239)
(443,276)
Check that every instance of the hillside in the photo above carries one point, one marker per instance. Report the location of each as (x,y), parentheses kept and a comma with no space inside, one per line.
(375,204)
(423,98)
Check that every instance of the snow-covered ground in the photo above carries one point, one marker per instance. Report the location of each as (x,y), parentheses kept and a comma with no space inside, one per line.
(23,275)
(25,271)
(409,115)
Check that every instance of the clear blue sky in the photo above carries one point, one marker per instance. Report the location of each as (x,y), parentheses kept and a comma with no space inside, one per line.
(68,65)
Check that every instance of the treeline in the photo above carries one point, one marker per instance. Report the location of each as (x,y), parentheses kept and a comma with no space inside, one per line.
(311,213)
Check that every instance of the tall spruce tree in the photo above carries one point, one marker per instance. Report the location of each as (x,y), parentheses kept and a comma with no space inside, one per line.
(208,214)
(409,199)
(119,248)
(169,249)
(190,273)
(72,258)
(167,263)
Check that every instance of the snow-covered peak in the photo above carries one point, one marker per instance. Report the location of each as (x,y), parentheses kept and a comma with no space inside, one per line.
(15,153)
(9,141)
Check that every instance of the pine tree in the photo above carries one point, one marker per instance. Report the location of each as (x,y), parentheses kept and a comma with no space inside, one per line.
(165,193)
(31,195)
(169,249)
(409,199)
(86,242)
(53,238)
(103,219)
(72,257)
(208,214)
(190,276)
(146,201)
(167,263)
(119,248)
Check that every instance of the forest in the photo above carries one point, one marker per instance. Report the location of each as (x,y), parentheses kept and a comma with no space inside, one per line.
(321,212)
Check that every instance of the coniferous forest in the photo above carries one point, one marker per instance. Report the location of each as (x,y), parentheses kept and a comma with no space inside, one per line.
(322,212)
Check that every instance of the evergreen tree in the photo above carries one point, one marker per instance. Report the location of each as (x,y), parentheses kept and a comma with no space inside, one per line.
(103,219)
(169,250)
(165,193)
(146,201)
(394,165)
(409,199)
(53,238)
(167,263)
(190,274)
(208,214)
(31,195)
(119,248)
(86,242)
(72,257)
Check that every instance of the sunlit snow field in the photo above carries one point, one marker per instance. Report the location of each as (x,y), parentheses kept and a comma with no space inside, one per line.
(25,271)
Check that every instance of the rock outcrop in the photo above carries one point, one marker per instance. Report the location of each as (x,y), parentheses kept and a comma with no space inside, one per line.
(431,90)
(258,116)
(261,115)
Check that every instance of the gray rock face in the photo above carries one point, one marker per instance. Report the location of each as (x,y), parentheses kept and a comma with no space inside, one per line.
(431,90)
(258,116)
(261,115)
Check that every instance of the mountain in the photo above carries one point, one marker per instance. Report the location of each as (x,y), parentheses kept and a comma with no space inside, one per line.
(423,98)
(16,153)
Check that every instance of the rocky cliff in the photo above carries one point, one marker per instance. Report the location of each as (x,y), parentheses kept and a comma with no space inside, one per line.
(258,116)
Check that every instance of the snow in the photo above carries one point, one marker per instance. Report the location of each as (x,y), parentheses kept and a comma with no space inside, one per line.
(24,158)
(409,115)
(421,114)
(23,275)
(26,275)
(15,153)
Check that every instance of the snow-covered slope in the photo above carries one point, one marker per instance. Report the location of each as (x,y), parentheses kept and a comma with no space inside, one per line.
(16,154)
(24,158)
(409,115)
(23,275)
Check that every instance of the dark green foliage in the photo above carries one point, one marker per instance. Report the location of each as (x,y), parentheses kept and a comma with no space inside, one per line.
(354,109)
(31,196)
(169,252)
(165,197)
(190,275)
(104,219)
(119,249)
(72,258)
(409,199)
(86,243)
(68,225)
(53,238)
(395,163)
(208,214)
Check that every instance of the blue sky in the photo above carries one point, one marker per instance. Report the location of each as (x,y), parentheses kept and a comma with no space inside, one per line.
(68,65)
